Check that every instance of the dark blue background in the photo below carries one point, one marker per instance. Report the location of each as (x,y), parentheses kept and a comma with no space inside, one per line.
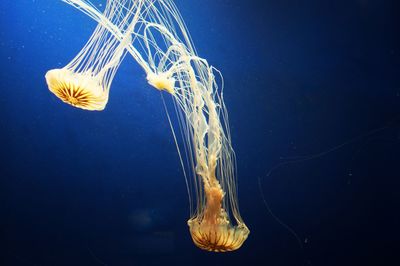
(106,188)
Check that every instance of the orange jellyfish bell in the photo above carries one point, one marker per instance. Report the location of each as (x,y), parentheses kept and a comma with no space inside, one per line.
(213,231)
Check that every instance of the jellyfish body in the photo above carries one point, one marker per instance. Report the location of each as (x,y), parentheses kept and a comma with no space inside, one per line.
(85,82)
(161,44)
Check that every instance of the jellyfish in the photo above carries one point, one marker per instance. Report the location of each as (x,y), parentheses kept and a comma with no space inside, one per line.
(161,44)
(85,81)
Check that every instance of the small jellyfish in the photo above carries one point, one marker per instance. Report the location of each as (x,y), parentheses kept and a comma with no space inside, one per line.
(154,33)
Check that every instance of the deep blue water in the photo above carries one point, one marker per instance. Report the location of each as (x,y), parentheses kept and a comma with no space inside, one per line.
(302,78)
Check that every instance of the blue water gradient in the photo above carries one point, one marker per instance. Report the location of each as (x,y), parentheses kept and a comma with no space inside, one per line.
(301,78)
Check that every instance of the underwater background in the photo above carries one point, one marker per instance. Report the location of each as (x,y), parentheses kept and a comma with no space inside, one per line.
(313,94)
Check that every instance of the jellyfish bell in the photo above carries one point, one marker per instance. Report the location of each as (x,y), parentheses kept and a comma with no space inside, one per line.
(79,90)
(161,82)
(217,238)
(212,231)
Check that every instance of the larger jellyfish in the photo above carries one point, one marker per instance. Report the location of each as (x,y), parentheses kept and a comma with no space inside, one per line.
(154,33)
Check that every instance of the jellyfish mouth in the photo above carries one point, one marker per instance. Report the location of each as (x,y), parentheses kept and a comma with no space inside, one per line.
(217,238)
(78,90)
